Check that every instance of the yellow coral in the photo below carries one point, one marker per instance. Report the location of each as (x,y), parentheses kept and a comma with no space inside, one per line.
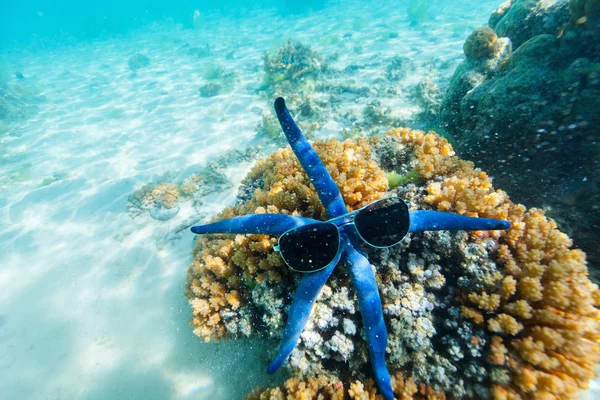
(505,324)
(164,194)
(540,306)
(161,195)
(497,351)
(472,314)
(509,287)
(323,387)
(554,311)
(485,301)
(222,262)
(519,308)
(530,289)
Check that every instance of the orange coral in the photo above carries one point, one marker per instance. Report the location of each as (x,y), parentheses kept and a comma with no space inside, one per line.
(188,186)
(538,306)
(486,302)
(504,323)
(472,314)
(407,389)
(509,287)
(349,163)
(167,192)
(497,351)
(323,387)
(554,306)
(519,308)
(161,195)
(215,283)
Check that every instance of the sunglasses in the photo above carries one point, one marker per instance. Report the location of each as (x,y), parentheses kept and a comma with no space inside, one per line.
(313,247)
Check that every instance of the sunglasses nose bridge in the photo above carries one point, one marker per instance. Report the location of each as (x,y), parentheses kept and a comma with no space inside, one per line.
(349,221)
(346,225)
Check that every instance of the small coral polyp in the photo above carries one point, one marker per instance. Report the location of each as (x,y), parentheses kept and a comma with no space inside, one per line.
(488,314)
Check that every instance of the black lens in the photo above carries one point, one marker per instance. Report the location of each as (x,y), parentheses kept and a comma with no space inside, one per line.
(383,223)
(310,248)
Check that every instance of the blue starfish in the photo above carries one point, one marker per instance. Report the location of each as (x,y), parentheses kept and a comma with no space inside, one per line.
(360,270)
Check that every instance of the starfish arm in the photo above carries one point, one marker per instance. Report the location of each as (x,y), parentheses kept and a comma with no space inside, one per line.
(328,192)
(306,295)
(426,220)
(271,224)
(369,302)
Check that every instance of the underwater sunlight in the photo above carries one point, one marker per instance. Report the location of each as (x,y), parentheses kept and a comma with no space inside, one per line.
(317,199)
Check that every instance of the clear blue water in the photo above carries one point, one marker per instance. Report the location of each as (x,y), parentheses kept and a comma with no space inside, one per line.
(45,19)
(91,297)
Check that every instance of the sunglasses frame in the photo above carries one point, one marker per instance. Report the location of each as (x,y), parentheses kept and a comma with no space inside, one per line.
(346,219)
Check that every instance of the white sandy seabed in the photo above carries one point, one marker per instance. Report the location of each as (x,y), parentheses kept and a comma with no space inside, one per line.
(91,299)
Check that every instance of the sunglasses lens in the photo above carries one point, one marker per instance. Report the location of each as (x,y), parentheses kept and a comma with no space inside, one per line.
(310,247)
(383,223)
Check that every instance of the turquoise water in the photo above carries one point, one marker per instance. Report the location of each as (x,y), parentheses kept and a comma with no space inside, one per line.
(91,286)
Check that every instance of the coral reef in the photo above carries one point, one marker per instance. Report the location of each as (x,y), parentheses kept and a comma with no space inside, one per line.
(159,200)
(398,68)
(294,388)
(297,73)
(499,13)
(324,387)
(374,119)
(542,293)
(471,73)
(376,115)
(205,181)
(276,184)
(427,95)
(293,64)
(312,115)
(542,98)
(137,61)
(479,315)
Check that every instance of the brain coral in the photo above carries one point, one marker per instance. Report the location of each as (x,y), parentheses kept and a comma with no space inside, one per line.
(508,314)
(481,43)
